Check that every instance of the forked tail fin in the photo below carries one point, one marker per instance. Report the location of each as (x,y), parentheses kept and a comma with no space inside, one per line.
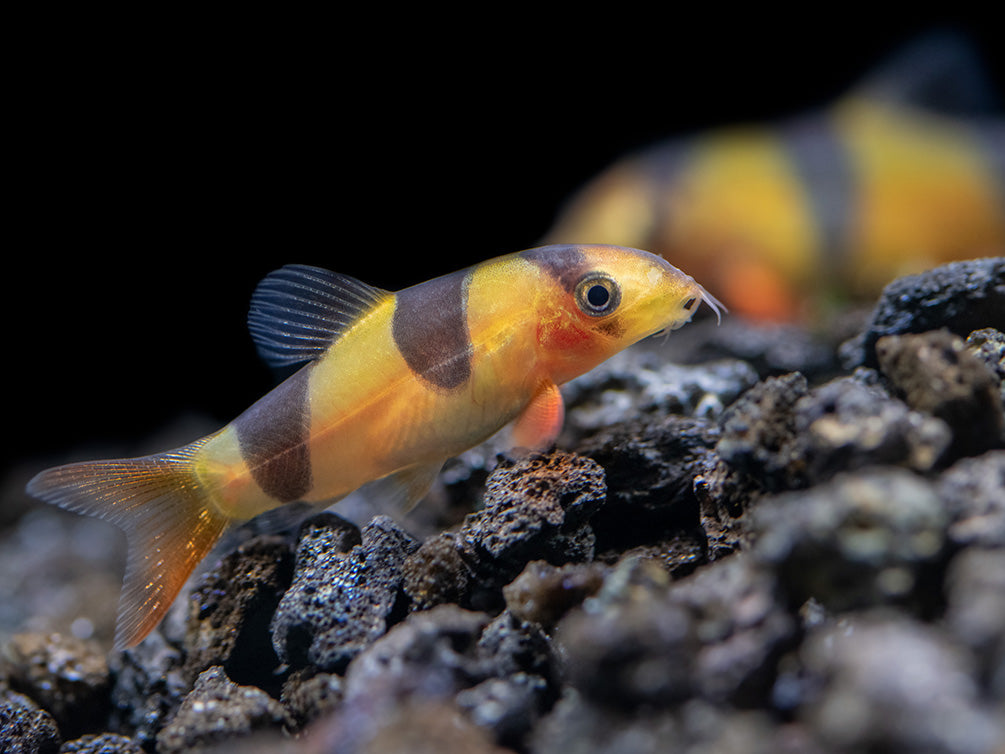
(170,525)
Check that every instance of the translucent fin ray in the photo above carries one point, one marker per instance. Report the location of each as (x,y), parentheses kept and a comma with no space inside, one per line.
(169,524)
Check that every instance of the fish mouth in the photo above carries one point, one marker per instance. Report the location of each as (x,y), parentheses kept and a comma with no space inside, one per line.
(701,296)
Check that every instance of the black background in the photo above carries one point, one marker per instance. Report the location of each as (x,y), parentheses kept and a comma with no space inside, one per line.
(163,165)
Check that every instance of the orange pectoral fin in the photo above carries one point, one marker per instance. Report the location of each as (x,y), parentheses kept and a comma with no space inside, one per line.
(541,421)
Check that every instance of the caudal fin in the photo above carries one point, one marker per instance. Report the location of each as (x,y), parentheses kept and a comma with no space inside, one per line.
(169,522)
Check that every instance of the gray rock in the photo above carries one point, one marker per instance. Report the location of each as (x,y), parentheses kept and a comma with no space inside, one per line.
(891,684)
(24,728)
(936,374)
(106,743)
(340,602)
(218,710)
(230,610)
(149,686)
(961,297)
(973,491)
(67,677)
(863,539)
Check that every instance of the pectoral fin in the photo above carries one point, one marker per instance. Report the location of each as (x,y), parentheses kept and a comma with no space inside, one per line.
(541,421)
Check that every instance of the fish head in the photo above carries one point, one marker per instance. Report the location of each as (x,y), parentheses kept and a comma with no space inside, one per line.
(603,299)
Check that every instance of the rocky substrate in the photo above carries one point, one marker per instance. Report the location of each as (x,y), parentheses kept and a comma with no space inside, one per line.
(748,540)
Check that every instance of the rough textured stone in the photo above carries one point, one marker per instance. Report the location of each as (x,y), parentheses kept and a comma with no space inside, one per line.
(543,593)
(308,695)
(66,676)
(231,608)
(649,467)
(961,297)
(24,728)
(935,373)
(106,743)
(973,490)
(219,710)
(894,685)
(340,602)
(862,539)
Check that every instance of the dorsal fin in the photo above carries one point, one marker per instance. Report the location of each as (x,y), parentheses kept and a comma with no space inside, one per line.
(298,311)
(939,71)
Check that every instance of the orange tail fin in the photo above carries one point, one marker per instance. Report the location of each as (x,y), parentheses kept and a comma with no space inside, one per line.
(170,525)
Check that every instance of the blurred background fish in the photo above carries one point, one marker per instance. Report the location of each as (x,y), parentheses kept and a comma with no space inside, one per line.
(905,172)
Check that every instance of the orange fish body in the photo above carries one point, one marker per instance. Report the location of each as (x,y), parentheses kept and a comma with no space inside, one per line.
(393,385)
(780,218)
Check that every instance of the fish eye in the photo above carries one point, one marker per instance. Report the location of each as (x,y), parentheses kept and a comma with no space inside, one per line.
(689,303)
(597,294)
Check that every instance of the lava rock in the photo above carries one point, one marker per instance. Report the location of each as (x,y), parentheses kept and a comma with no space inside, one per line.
(24,727)
(506,707)
(988,345)
(960,296)
(536,507)
(871,538)
(743,627)
(649,467)
(975,613)
(973,491)
(231,608)
(643,382)
(149,687)
(308,695)
(430,654)
(66,676)
(218,710)
(105,743)
(891,684)
(629,645)
(436,572)
(936,374)
(850,423)
(758,431)
(543,593)
(339,601)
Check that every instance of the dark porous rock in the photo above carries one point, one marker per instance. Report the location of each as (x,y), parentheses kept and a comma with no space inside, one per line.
(537,507)
(961,297)
(506,707)
(770,349)
(975,613)
(509,646)
(308,695)
(988,345)
(340,602)
(24,728)
(630,645)
(231,608)
(642,381)
(973,490)
(149,686)
(67,677)
(875,537)
(419,726)
(758,431)
(218,710)
(431,653)
(849,423)
(743,626)
(543,593)
(679,554)
(649,467)
(579,725)
(935,373)
(891,684)
(436,572)
(105,743)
